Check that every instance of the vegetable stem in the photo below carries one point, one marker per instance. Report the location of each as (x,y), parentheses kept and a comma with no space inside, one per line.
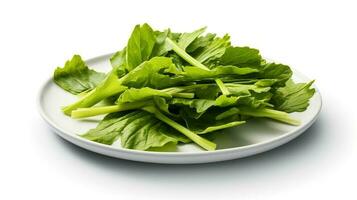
(204,143)
(269,113)
(109,87)
(185,55)
(90,112)
(186,95)
(222,87)
(195,63)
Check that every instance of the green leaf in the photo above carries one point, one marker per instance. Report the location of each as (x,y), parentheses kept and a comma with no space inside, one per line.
(281,73)
(163,106)
(202,142)
(256,100)
(214,50)
(200,105)
(161,47)
(145,93)
(224,101)
(110,86)
(200,42)
(207,92)
(109,129)
(294,97)
(245,89)
(75,77)
(250,95)
(137,130)
(208,123)
(196,73)
(118,60)
(241,56)
(265,82)
(156,73)
(187,38)
(140,46)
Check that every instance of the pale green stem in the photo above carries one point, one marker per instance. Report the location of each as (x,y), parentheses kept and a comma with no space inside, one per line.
(185,95)
(94,111)
(269,113)
(182,53)
(204,143)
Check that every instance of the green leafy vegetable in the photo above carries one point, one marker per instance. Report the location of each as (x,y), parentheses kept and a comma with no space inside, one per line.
(140,46)
(145,93)
(214,50)
(187,38)
(137,130)
(294,97)
(75,77)
(241,56)
(200,105)
(207,122)
(118,60)
(200,43)
(167,88)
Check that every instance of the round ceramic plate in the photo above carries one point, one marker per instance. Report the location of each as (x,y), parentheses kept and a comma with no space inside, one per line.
(257,136)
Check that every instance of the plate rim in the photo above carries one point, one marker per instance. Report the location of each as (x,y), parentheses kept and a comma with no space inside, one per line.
(302,128)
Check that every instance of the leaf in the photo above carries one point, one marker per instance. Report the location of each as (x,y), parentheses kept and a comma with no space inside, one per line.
(207,92)
(196,73)
(208,123)
(294,97)
(163,106)
(118,60)
(250,95)
(145,93)
(256,100)
(281,73)
(245,89)
(200,105)
(158,72)
(224,101)
(75,77)
(241,56)
(200,42)
(109,129)
(161,47)
(187,38)
(214,50)
(137,130)
(140,46)
(265,82)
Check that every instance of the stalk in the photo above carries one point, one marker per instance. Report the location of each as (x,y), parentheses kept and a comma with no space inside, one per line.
(186,95)
(222,87)
(269,113)
(81,109)
(93,111)
(182,53)
(202,142)
(109,87)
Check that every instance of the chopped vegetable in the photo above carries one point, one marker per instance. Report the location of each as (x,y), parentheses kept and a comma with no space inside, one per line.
(171,88)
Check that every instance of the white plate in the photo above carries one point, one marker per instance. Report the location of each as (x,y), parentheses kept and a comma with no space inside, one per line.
(256,136)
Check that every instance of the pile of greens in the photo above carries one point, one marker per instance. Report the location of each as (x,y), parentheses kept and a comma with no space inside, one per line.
(169,88)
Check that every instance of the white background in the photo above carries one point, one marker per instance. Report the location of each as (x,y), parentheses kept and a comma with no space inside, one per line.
(316,37)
